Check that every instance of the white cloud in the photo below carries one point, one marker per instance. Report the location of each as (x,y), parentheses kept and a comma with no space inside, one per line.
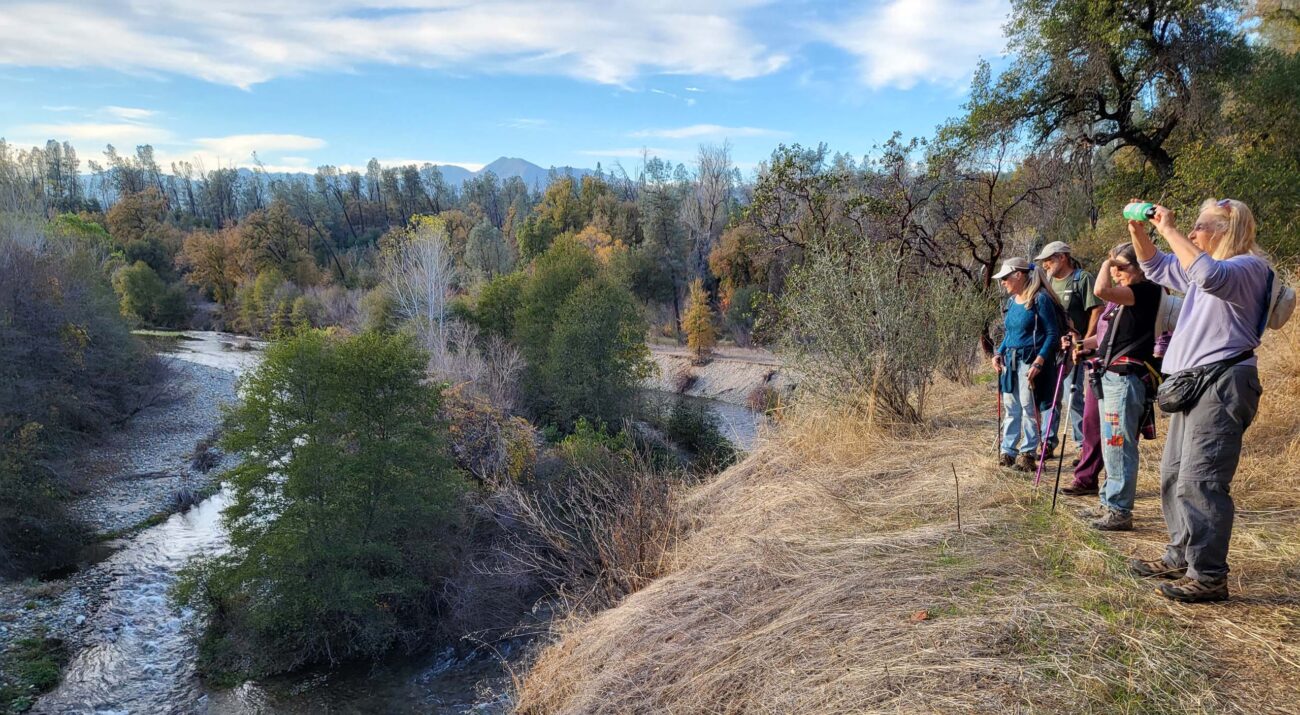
(902,42)
(129,114)
(238,148)
(701,131)
(246,42)
(694,89)
(93,135)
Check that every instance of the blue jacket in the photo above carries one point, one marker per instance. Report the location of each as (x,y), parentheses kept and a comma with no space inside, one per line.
(1031,333)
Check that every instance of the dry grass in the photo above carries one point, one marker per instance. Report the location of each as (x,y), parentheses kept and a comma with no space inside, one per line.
(825,574)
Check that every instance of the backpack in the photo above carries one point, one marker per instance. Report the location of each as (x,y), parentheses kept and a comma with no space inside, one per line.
(1279,306)
(1166,320)
(1167,314)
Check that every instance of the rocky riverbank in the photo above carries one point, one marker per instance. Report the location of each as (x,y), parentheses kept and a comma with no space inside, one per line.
(128,481)
(740,376)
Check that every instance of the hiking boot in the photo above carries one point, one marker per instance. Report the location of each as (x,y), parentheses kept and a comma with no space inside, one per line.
(1156,568)
(1025,463)
(1050,453)
(1005,460)
(1114,520)
(1078,490)
(1091,512)
(1190,590)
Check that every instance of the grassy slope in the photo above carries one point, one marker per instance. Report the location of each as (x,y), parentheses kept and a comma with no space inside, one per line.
(825,574)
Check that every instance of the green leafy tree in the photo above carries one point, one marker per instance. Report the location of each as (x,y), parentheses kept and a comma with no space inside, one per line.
(342,508)
(487,254)
(146,299)
(1128,73)
(498,302)
(556,274)
(597,354)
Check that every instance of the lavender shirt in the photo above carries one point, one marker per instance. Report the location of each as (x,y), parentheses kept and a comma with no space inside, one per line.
(1222,308)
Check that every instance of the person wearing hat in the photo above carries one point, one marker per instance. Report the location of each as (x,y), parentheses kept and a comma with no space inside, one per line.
(1074,286)
(1025,360)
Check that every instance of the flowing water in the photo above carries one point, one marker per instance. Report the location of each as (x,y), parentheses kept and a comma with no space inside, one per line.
(139,652)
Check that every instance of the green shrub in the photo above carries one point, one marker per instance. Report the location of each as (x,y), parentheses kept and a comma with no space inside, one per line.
(343,508)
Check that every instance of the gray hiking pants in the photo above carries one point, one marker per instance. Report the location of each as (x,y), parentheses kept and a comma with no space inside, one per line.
(1201,454)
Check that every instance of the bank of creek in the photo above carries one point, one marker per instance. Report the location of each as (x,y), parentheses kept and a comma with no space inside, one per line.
(131,652)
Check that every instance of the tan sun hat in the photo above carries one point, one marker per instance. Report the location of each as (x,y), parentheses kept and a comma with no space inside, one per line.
(1052,249)
(1011,265)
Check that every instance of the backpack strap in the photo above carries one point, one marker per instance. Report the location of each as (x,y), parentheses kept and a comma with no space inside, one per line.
(1268,304)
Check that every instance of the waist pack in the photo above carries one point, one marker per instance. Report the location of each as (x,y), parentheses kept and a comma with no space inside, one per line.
(1182,390)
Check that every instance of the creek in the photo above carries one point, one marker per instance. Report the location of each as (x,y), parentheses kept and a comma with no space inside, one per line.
(138,652)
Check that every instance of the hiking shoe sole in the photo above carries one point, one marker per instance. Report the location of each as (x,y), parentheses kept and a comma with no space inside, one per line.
(1079,491)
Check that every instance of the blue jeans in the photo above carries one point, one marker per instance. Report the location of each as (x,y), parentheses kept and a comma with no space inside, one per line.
(1020,415)
(1075,407)
(1122,402)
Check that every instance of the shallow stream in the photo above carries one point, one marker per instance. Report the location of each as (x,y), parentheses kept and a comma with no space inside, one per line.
(139,654)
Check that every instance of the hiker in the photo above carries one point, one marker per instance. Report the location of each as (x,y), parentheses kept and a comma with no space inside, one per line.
(1124,380)
(1074,286)
(1088,468)
(1026,360)
(1226,282)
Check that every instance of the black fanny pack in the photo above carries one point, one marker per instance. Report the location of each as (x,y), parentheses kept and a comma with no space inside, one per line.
(1181,390)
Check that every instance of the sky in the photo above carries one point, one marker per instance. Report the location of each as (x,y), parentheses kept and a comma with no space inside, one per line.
(303,83)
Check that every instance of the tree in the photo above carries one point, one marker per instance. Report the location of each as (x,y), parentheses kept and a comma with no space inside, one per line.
(342,507)
(418,265)
(146,299)
(497,304)
(597,355)
(701,334)
(487,254)
(214,262)
(138,224)
(556,274)
(1127,73)
(274,239)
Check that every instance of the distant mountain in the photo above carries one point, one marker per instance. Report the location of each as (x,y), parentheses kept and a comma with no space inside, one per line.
(533,175)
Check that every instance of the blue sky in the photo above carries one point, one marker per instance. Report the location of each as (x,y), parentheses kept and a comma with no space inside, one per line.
(310,82)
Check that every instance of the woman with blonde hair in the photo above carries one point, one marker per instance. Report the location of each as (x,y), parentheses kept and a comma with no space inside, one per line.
(1026,360)
(1226,283)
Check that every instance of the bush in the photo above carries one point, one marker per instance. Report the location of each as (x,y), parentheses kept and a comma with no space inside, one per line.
(873,334)
(36,533)
(692,426)
(146,299)
(597,355)
(342,513)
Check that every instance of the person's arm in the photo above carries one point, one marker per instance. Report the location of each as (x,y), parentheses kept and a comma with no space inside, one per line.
(1094,314)
(1183,248)
(1107,290)
(1052,332)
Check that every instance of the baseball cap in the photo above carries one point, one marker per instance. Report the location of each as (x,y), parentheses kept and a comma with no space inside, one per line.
(1052,249)
(1011,265)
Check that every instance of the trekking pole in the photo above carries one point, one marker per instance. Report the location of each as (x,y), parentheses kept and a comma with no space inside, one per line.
(997,393)
(1057,489)
(1042,448)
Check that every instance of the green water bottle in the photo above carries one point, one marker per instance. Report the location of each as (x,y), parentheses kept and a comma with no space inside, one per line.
(1140,211)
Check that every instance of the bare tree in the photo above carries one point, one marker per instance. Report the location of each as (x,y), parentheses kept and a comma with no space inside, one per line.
(704,212)
(421,272)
